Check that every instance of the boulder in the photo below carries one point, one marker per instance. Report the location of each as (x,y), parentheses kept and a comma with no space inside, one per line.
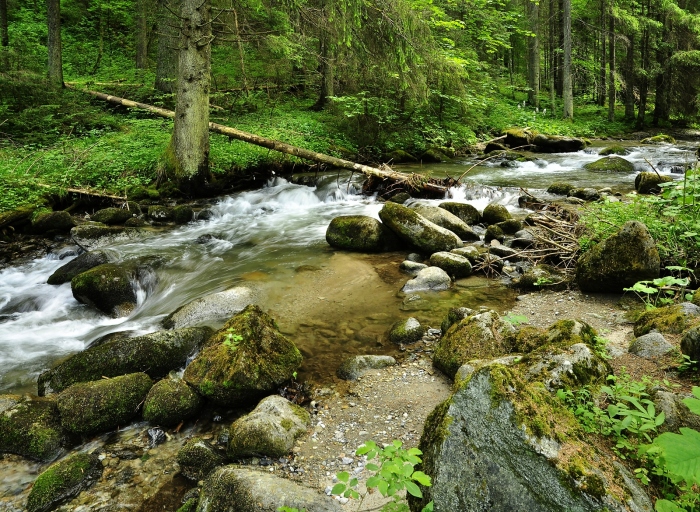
(269,430)
(63,481)
(198,458)
(585,194)
(557,144)
(560,188)
(17,217)
(406,331)
(677,413)
(648,182)
(466,212)
(611,164)
(411,267)
(672,319)
(503,443)
(495,213)
(468,251)
(524,238)
(494,146)
(52,222)
(690,343)
(628,256)
(399,156)
(81,264)
(360,233)
(155,354)
(428,279)
(504,252)
(455,315)
(400,198)
(615,149)
(478,336)
(659,139)
(454,264)
(493,232)
(518,137)
(88,408)
(183,214)
(356,366)
(433,156)
(247,358)
(234,489)
(446,220)
(169,402)
(30,427)
(111,216)
(650,345)
(541,277)
(92,235)
(210,309)
(510,226)
(160,213)
(417,230)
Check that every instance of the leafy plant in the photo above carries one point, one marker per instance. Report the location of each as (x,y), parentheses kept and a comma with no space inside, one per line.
(686,364)
(516,319)
(600,347)
(232,339)
(663,290)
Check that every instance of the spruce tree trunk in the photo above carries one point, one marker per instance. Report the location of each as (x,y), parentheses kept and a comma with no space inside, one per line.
(168,44)
(142,35)
(4,38)
(603,57)
(629,79)
(663,79)
(611,78)
(55,67)
(568,92)
(188,153)
(644,82)
(326,68)
(533,49)
(560,48)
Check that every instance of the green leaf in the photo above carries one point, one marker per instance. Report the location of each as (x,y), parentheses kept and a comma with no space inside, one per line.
(681,453)
(343,476)
(372,482)
(422,478)
(338,489)
(667,506)
(372,467)
(383,487)
(413,490)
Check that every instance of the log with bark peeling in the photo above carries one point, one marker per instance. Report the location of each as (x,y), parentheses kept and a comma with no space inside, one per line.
(275,145)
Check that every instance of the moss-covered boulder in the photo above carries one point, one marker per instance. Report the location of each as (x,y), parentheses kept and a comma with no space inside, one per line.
(198,458)
(92,235)
(247,358)
(628,256)
(234,489)
(494,232)
(479,336)
(468,251)
(64,480)
(541,277)
(466,212)
(169,402)
(503,442)
(406,331)
(429,279)
(648,182)
(495,213)
(446,220)
(269,430)
(611,164)
(400,198)
(111,216)
(672,319)
(355,366)
(160,213)
(210,309)
(30,427)
(518,137)
(560,188)
(399,156)
(585,193)
(88,408)
(615,149)
(454,264)
(183,214)
(52,222)
(494,146)
(659,139)
(17,217)
(81,264)
(155,354)
(557,144)
(417,230)
(453,316)
(433,156)
(360,233)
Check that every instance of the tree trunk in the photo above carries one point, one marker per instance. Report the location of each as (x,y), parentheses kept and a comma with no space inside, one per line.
(55,67)
(533,50)
(629,81)
(568,92)
(168,44)
(611,78)
(663,79)
(603,63)
(560,48)
(644,82)
(142,35)
(326,67)
(4,38)
(188,154)
(241,52)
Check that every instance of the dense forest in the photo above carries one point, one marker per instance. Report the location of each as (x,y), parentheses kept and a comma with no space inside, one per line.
(353,79)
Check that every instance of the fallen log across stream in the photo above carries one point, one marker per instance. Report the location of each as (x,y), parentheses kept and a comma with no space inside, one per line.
(414,182)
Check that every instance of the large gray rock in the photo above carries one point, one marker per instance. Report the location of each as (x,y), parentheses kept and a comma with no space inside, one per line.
(447,220)
(233,489)
(406,331)
(198,458)
(628,256)
(454,264)
(495,213)
(269,430)
(466,212)
(499,443)
(411,267)
(650,345)
(212,308)
(417,230)
(30,427)
(677,413)
(468,251)
(93,235)
(360,233)
(428,279)
(156,354)
(557,144)
(81,264)
(355,366)
(169,402)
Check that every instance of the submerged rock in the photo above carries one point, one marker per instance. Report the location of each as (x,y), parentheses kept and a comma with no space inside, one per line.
(428,279)
(269,430)
(447,220)
(406,331)
(628,256)
(169,402)
(611,164)
(247,358)
(360,233)
(211,308)
(454,264)
(183,214)
(355,366)
(198,458)
(64,480)
(466,212)
(111,216)
(81,264)
(30,427)
(417,230)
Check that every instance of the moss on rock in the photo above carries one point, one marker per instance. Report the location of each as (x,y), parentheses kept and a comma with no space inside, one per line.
(659,139)
(560,188)
(111,216)
(541,277)
(615,149)
(198,458)
(455,265)
(494,232)
(672,319)
(169,402)
(81,264)
(648,182)
(399,156)
(52,222)
(30,427)
(495,213)
(360,233)
(406,331)
(610,164)
(183,214)
(160,213)
(417,230)
(466,212)
(445,219)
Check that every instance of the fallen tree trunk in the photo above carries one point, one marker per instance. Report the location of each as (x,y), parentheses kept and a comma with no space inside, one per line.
(413,181)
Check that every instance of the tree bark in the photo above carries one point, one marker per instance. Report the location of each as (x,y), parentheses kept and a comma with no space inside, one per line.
(55,67)
(167,59)
(663,79)
(533,49)
(326,67)
(560,48)
(142,35)
(611,78)
(241,52)
(188,154)
(643,82)
(568,92)
(4,38)
(603,57)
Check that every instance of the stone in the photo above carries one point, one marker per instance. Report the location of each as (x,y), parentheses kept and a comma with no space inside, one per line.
(428,279)
(505,252)
(400,198)
(648,182)
(690,343)
(417,230)
(111,216)
(677,413)
(445,219)
(234,489)
(673,319)
(454,315)
(510,226)
(155,354)
(433,156)
(81,264)
(183,214)
(246,359)
(211,309)
(93,235)
(557,144)
(494,232)
(659,139)
(650,346)
(495,213)
(360,233)
(399,156)
(468,251)
(466,212)
(585,194)
(356,366)
(198,458)
(615,149)
(494,146)
(560,188)
(31,427)
(269,430)
(541,277)
(17,217)
(610,164)
(52,222)
(518,137)
(411,267)
(406,331)
(523,239)
(628,256)
(160,213)
(455,265)
(169,402)
(63,481)
(205,214)
(568,367)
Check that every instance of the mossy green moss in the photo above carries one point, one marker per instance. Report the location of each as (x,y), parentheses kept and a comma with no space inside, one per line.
(560,188)
(494,232)
(510,226)
(399,156)
(416,230)
(30,427)
(183,214)
(529,338)
(63,480)
(197,458)
(658,139)
(610,164)
(615,149)
(169,402)
(111,216)
(648,182)
(189,506)
(466,212)
(107,288)
(360,233)
(161,213)
(668,319)
(495,213)
(565,333)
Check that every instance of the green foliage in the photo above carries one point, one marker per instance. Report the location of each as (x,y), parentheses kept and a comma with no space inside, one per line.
(232,340)
(685,364)
(662,291)
(515,319)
